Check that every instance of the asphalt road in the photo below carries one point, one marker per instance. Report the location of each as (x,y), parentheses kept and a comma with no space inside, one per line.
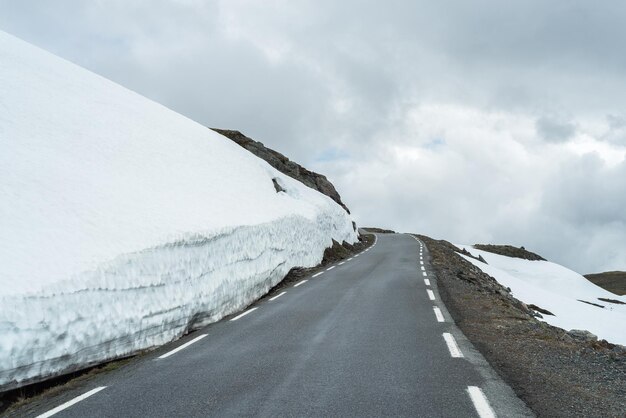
(362,339)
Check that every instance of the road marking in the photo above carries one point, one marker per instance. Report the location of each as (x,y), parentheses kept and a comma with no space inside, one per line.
(480,402)
(431,295)
(70,403)
(299,283)
(342,263)
(423,268)
(427,282)
(248,311)
(452,346)
(330,268)
(438,314)
(356,255)
(317,274)
(425,274)
(349,259)
(277,296)
(187,344)
(421,262)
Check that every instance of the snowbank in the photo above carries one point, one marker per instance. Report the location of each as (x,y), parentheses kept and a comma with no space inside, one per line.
(124,223)
(559,290)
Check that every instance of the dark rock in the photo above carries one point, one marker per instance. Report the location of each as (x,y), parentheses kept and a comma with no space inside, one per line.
(277,186)
(538,309)
(510,251)
(285,165)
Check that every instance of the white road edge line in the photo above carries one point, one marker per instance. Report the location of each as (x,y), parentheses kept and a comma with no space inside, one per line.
(248,311)
(330,268)
(452,346)
(177,349)
(277,296)
(438,314)
(349,259)
(70,403)
(423,268)
(480,402)
(317,274)
(299,283)
(342,263)
(431,295)
(424,274)
(427,282)
(422,263)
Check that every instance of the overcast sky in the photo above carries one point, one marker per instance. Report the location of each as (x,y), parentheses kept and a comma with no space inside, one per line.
(481,121)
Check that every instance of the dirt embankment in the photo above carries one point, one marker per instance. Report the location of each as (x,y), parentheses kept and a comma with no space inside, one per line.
(558,374)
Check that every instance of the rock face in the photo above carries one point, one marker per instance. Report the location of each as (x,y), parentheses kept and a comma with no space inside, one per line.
(285,165)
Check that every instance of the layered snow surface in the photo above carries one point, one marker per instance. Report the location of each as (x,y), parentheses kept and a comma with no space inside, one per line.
(125,224)
(559,290)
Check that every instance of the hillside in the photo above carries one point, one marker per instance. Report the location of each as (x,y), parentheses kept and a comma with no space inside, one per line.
(495,305)
(125,225)
(613,281)
(283,164)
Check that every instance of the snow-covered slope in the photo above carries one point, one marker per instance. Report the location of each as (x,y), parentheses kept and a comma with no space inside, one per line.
(124,223)
(559,290)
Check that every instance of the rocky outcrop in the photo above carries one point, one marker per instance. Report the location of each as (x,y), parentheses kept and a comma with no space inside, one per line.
(510,251)
(285,165)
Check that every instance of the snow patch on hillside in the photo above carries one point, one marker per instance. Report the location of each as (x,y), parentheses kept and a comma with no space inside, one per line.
(125,224)
(559,290)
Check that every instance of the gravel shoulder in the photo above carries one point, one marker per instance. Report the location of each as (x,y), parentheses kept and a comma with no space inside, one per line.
(552,371)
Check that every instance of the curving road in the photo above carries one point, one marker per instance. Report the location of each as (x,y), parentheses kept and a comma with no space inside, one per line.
(367,337)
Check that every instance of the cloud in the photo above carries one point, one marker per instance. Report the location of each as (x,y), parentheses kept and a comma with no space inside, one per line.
(554,130)
(439,117)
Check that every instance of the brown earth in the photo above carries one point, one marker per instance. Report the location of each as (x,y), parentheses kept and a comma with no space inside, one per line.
(613,281)
(557,373)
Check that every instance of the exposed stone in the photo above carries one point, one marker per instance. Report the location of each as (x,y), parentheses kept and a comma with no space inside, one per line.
(582,334)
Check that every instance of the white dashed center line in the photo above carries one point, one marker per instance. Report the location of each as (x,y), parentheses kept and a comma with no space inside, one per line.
(187,344)
(245,313)
(70,403)
(480,402)
(427,282)
(438,314)
(431,295)
(299,283)
(277,296)
(452,346)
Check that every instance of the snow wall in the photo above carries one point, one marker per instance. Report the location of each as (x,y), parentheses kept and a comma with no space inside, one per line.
(125,224)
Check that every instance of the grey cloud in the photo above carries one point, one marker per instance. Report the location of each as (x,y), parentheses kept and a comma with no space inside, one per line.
(554,130)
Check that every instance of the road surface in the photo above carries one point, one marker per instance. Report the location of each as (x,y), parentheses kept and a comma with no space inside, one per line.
(367,337)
